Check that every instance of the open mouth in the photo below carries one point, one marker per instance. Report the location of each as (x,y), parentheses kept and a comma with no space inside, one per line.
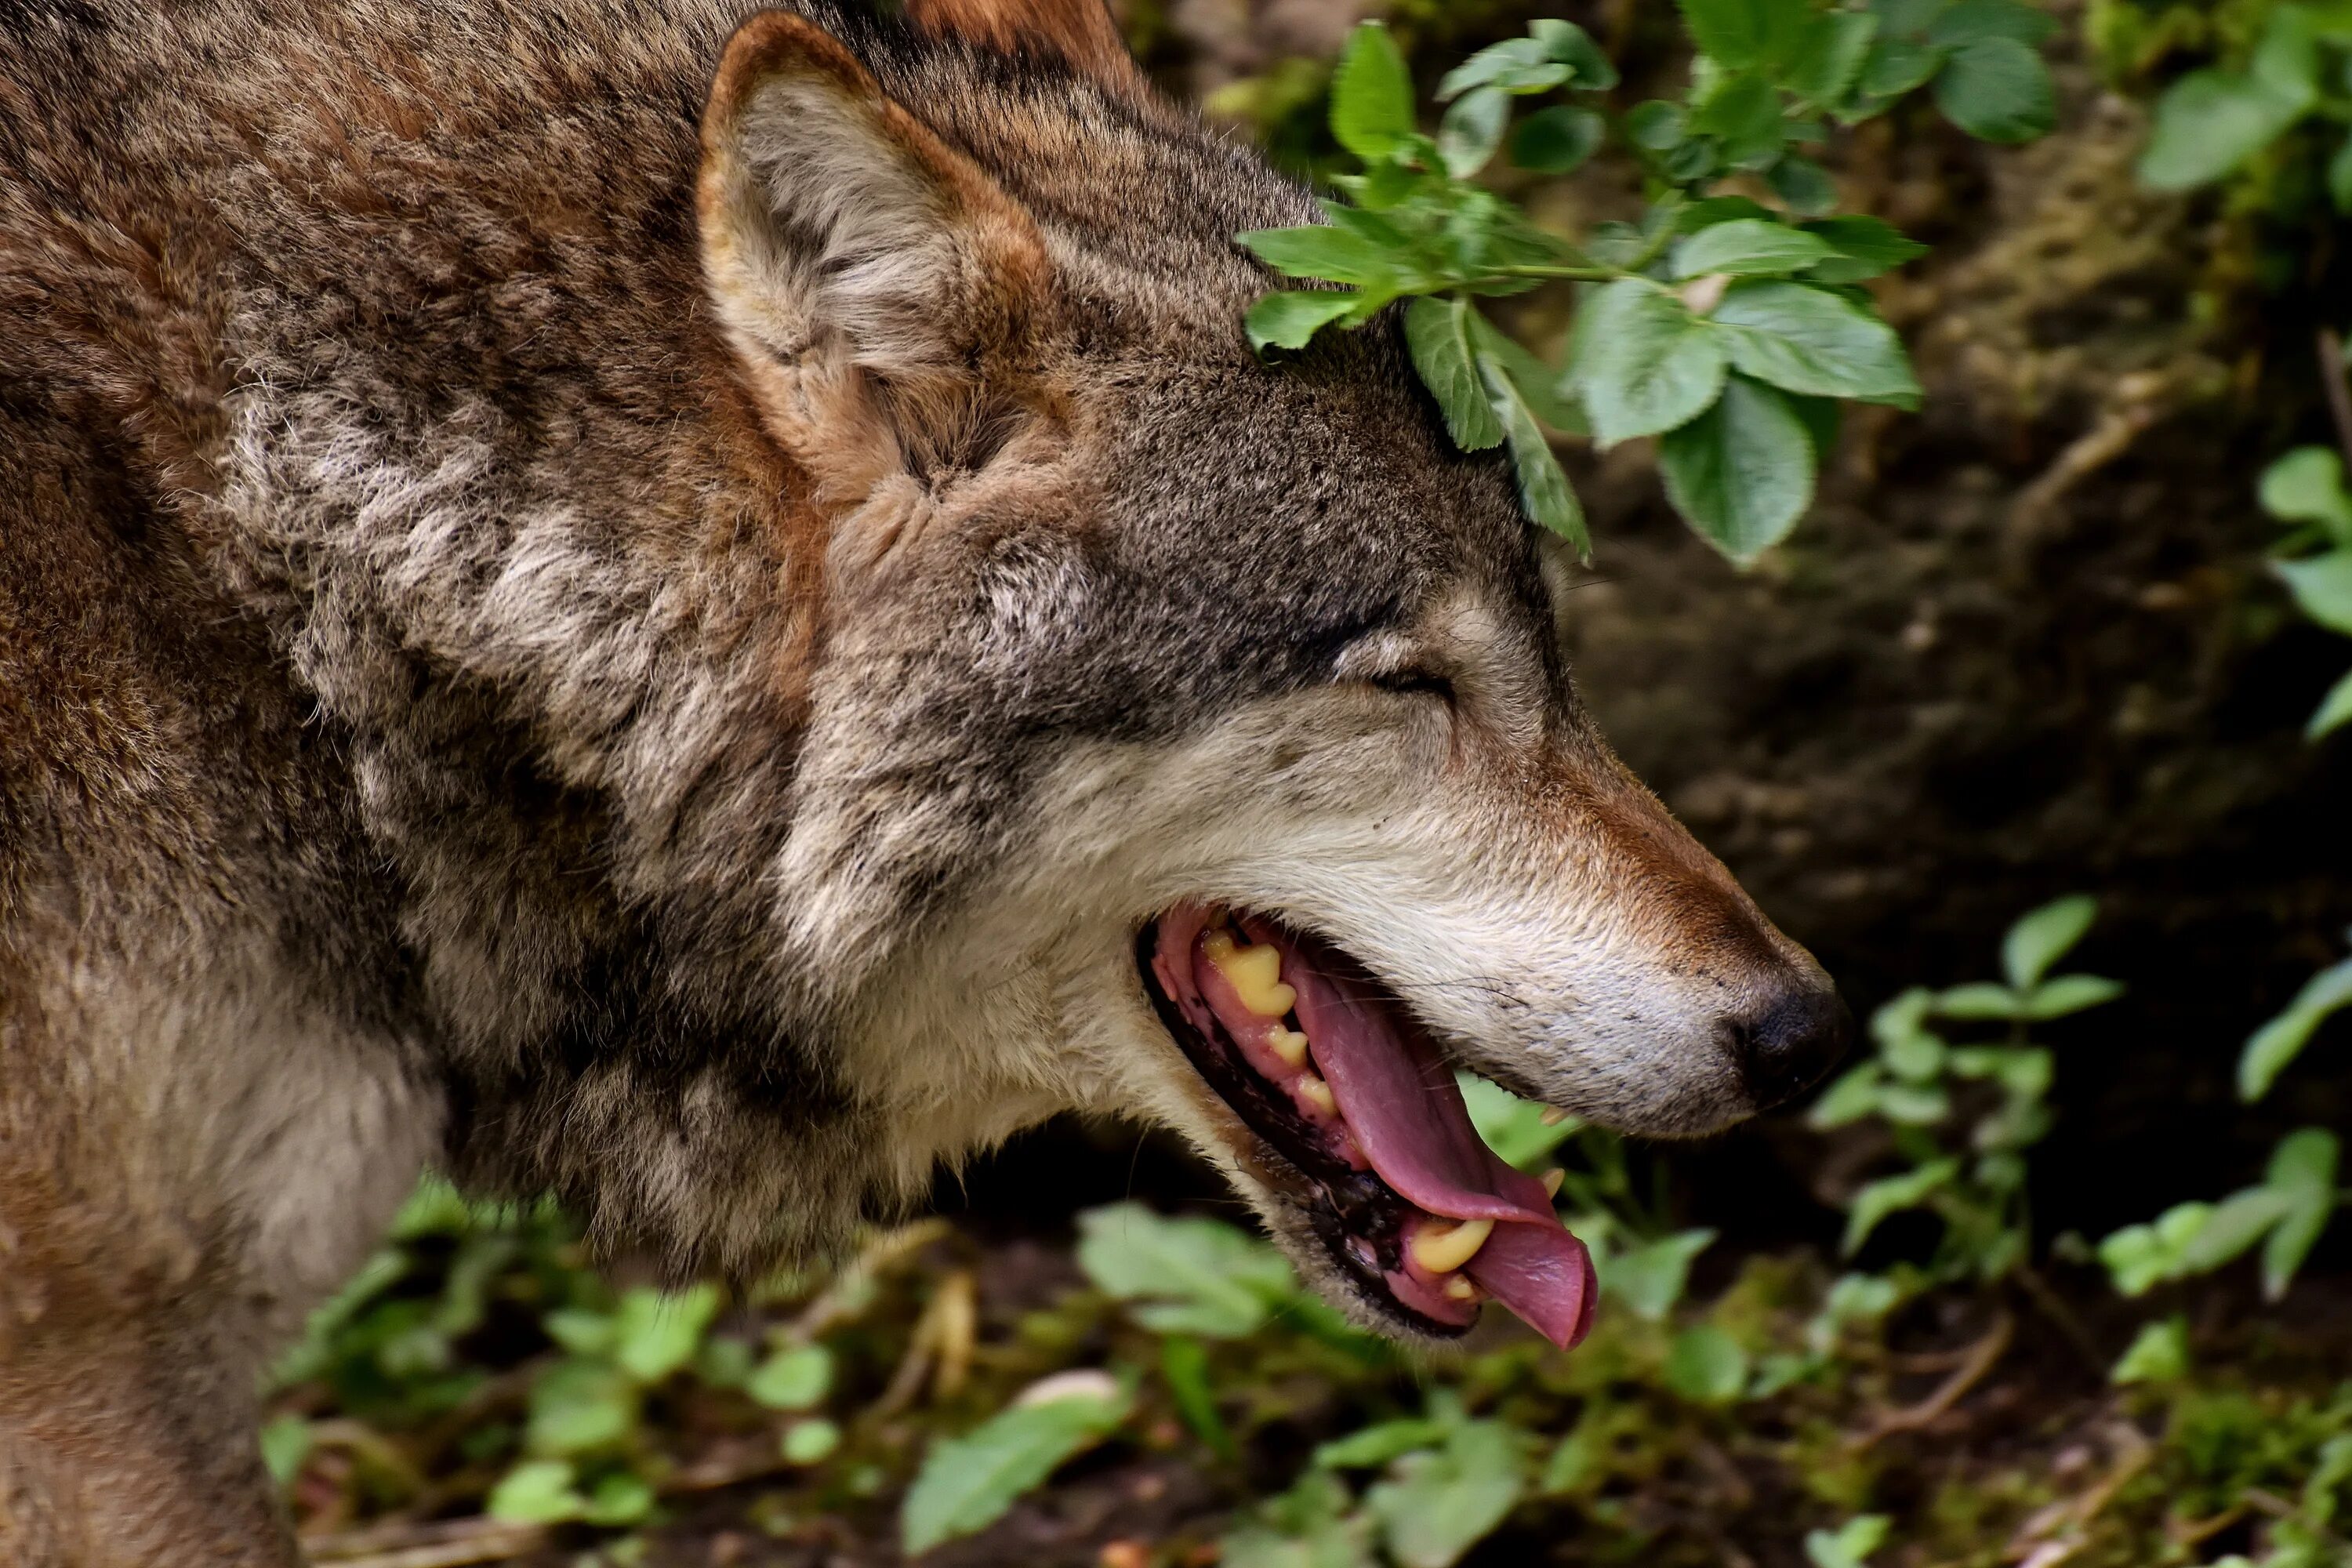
(1335,1078)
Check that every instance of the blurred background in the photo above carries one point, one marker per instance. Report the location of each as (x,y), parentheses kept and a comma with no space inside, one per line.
(2027,658)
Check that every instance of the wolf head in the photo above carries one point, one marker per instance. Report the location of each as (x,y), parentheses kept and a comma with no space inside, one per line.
(1145,656)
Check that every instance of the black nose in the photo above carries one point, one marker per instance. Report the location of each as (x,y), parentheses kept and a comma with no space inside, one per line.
(1786,1049)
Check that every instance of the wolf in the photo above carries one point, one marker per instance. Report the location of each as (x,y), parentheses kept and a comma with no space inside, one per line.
(705,610)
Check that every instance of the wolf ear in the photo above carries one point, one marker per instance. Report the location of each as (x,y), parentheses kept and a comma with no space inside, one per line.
(867,273)
(1080,32)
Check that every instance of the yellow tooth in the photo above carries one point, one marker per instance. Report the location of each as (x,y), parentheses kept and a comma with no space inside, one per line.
(1316,1093)
(1441,1249)
(1289,1045)
(1253,972)
(1461,1289)
(1552,1116)
(1551,1181)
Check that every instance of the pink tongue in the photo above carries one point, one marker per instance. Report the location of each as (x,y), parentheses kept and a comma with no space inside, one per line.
(1400,1100)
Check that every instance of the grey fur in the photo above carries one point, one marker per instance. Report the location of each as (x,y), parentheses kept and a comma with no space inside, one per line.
(437,713)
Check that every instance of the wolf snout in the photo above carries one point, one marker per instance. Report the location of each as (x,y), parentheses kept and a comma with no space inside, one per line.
(1790,1044)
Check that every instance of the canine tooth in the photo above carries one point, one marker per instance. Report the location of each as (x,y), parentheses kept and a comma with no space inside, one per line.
(1551,1181)
(1253,972)
(1316,1093)
(1441,1249)
(1289,1045)
(1552,1116)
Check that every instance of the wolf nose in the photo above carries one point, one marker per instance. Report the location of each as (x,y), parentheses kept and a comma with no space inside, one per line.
(1785,1049)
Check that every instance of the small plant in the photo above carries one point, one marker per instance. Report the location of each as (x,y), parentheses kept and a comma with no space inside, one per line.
(968,1483)
(1961,1116)
(1723,326)
(2283,1213)
(2306,490)
(2215,120)
(1446,1481)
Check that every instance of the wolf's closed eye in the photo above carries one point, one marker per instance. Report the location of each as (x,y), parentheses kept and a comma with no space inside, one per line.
(1416,681)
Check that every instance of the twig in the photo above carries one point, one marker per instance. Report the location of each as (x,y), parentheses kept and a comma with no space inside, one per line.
(2331,375)
(844,1298)
(448,1544)
(1982,1357)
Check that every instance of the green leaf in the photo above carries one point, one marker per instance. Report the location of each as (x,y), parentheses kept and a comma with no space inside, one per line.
(1749,247)
(1743,113)
(1741,473)
(2323,588)
(1739,33)
(1513,66)
(2042,937)
(1642,362)
(1369,1448)
(1371,95)
(1850,1545)
(619,1499)
(795,1378)
(1650,1279)
(1803,185)
(1830,59)
(1184,1364)
(1865,248)
(809,1442)
(1891,1194)
(1556,139)
(2307,485)
(2141,1255)
(1441,1503)
(1192,1275)
(2209,121)
(1472,131)
(1854,1096)
(2335,711)
(1809,340)
(2302,1168)
(2207,124)
(1895,65)
(1438,334)
(2070,993)
(2232,1229)
(577,1406)
(967,1483)
(1513,1127)
(1657,125)
(1309,1526)
(1972,20)
(581,1331)
(1544,489)
(537,1491)
(656,1332)
(1291,319)
(1917,1055)
(1706,1366)
(1573,47)
(1537,382)
(1326,251)
(1997,90)
(2160,1353)
(2280,1041)
(1980,999)
(285,1444)
(2339,178)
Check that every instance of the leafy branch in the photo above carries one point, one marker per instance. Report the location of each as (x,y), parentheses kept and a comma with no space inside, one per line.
(1725,326)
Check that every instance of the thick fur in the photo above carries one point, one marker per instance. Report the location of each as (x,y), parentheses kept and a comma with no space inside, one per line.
(649,616)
